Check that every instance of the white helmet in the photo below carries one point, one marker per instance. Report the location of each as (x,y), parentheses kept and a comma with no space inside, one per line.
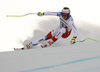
(65,10)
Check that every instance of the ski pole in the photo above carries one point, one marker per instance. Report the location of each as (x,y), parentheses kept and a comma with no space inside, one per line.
(20,15)
(88,39)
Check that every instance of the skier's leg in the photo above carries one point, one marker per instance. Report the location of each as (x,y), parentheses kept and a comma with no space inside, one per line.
(34,43)
(55,38)
(52,33)
(66,34)
(48,36)
(31,44)
(59,34)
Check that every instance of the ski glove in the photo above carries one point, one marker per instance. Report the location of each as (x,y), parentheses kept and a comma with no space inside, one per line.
(40,14)
(73,41)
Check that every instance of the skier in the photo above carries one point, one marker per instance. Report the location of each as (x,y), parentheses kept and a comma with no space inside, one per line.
(63,30)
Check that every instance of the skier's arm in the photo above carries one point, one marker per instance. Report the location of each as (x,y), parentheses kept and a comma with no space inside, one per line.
(74,29)
(75,33)
(51,13)
(48,13)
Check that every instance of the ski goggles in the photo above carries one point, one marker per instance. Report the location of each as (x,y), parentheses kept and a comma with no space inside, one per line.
(64,14)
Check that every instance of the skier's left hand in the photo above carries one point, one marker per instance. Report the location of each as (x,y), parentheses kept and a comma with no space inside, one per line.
(72,41)
(40,14)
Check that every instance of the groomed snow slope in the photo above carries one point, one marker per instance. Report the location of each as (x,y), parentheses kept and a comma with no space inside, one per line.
(81,57)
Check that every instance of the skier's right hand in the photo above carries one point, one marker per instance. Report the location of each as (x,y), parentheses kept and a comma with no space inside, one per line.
(40,14)
(72,41)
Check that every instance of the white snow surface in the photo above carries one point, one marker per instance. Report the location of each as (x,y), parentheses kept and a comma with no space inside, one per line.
(80,57)
(15,32)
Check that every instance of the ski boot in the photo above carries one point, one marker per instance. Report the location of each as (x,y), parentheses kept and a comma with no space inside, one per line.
(48,44)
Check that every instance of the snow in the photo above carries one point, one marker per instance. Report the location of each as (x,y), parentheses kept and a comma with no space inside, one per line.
(61,56)
(80,57)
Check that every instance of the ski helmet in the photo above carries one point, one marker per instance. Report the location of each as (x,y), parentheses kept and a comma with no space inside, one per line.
(65,10)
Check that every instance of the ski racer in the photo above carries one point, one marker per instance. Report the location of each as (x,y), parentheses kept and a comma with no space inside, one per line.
(63,30)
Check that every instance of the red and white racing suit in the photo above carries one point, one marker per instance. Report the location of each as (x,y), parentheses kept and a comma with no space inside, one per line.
(63,30)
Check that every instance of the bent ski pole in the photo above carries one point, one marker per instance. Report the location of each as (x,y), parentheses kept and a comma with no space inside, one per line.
(88,39)
(20,15)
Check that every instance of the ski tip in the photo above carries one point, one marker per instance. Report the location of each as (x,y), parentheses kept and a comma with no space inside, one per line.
(17,49)
(14,48)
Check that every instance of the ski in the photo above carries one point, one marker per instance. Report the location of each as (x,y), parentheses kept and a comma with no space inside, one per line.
(18,49)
